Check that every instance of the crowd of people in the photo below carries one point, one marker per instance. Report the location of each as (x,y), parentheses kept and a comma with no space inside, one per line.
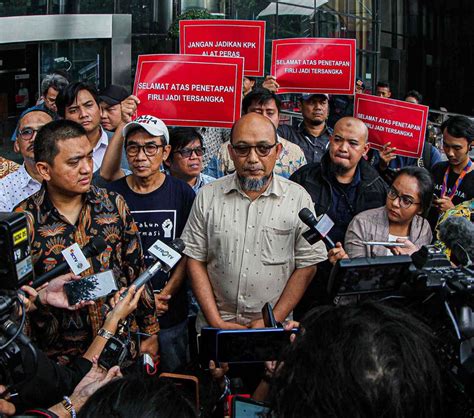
(90,170)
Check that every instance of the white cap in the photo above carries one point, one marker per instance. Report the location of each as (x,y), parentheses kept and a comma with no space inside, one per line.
(152,125)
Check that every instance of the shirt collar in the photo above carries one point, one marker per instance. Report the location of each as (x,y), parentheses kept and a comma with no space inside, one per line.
(91,197)
(24,177)
(199,183)
(274,188)
(304,131)
(103,140)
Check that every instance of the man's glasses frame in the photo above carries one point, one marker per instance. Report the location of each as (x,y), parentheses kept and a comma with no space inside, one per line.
(150,149)
(27,134)
(187,152)
(262,150)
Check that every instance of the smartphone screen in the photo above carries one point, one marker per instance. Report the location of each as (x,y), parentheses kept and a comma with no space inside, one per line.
(248,408)
(91,287)
(252,345)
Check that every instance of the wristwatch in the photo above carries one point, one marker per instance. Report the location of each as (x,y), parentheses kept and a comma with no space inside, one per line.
(105,334)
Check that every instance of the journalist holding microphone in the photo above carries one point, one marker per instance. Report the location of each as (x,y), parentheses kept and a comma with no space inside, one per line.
(52,380)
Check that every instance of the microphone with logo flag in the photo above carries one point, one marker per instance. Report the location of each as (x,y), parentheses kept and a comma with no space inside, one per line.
(92,249)
(168,257)
(318,230)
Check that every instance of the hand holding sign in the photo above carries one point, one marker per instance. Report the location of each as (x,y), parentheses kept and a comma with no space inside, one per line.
(387,154)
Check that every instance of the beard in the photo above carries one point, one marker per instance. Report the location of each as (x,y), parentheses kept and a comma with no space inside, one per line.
(253,185)
(338,169)
(316,122)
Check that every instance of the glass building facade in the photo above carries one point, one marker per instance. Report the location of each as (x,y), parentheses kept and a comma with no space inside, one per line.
(413,44)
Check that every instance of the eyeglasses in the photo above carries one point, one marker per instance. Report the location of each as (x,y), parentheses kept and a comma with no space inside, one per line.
(27,134)
(261,150)
(187,152)
(150,150)
(405,201)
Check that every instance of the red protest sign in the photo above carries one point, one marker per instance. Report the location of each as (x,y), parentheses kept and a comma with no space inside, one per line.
(226,38)
(401,123)
(190,90)
(314,65)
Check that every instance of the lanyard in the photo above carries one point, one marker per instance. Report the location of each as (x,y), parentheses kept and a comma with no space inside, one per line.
(459,180)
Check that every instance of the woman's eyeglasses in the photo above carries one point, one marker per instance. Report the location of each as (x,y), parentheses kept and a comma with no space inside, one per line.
(405,201)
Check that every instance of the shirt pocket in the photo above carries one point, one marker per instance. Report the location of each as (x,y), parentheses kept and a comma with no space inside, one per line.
(276,246)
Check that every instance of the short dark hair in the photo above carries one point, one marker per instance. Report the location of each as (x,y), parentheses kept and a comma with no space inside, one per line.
(260,96)
(383,84)
(425,185)
(140,397)
(55,81)
(416,94)
(459,127)
(67,96)
(45,145)
(370,359)
(180,137)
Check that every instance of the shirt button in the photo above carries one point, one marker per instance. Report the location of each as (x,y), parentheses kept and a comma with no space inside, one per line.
(250,226)
(247,250)
(244,275)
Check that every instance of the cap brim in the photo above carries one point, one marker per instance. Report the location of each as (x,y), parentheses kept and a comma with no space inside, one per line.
(308,96)
(109,100)
(147,128)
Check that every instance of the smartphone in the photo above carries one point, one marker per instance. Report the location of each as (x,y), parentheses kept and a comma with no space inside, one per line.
(268,317)
(207,346)
(248,408)
(252,345)
(91,287)
(385,244)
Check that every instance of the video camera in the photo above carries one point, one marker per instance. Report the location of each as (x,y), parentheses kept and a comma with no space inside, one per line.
(427,284)
(16,269)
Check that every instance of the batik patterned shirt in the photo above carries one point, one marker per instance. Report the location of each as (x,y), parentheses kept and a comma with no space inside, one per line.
(67,334)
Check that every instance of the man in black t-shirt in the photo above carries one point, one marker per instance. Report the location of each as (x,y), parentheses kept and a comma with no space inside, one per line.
(160,205)
(454,179)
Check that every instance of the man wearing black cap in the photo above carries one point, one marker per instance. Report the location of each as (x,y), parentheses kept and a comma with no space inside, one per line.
(109,102)
(312,135)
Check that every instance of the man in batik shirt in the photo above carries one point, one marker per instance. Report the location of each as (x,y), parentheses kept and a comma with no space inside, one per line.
(66,210)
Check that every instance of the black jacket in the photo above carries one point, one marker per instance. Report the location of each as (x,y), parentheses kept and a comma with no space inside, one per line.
(371,192)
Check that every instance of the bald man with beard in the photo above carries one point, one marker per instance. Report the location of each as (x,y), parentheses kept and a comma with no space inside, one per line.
(342,185)
(244,240)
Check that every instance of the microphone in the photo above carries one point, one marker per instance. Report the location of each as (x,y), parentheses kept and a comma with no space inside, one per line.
(93,248)
(320,229)
(167,257)
(457,233)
